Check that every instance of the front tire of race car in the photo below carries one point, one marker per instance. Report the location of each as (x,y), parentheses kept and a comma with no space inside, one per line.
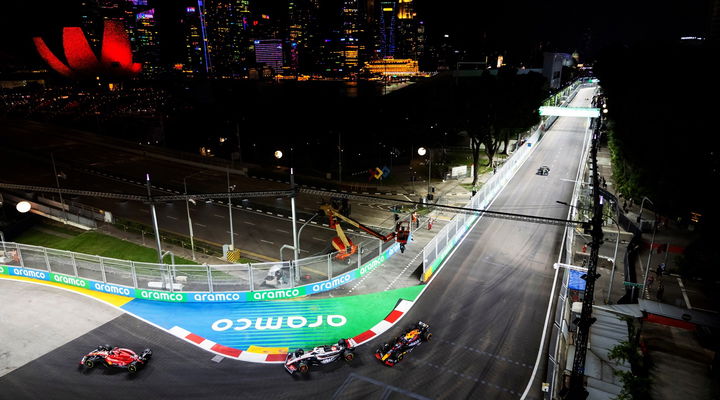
(349,356)
(427,336)
(303,368)
(132,368)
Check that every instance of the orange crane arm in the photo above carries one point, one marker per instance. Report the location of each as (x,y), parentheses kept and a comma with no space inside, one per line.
(333,213)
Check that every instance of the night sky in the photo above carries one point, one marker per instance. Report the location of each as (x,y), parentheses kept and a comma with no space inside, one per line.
(514,26)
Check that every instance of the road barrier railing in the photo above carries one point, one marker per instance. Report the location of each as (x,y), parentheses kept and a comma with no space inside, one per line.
(440,246)
(190,282)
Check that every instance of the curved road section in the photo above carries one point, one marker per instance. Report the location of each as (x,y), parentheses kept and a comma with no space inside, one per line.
(485,307)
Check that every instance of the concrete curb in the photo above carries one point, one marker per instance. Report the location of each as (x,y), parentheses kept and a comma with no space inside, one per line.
(401,309)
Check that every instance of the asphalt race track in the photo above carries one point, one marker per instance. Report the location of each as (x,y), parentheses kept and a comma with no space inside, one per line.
(486,309)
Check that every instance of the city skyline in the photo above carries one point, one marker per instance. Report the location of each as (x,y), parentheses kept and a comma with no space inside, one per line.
(519,34)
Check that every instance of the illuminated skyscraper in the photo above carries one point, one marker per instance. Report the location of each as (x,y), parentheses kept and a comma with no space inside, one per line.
(350,34)
(145,40)
(269,52)
(196,58)
(302,34)
(228,40)
(410,32)
(387,22)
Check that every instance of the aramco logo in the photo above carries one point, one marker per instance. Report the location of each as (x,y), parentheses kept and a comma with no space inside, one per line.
(115,54)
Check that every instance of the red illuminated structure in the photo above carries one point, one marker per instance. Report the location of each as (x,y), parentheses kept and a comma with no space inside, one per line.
(115,55)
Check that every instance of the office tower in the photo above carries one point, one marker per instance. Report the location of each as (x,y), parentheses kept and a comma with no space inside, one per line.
(410,32)
(226,22)
(196,58)
(144,37)
(269,52)
(303,33)
(350,33)
(387,29)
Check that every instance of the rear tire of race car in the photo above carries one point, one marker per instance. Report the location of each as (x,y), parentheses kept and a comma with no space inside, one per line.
(132,368)
(89,363)
(349,357)
(303,368)
(399,357)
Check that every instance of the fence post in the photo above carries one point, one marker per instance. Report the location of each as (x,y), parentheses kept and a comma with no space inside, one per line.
(169,275)
(74,263)
(209,277)
(422,277)
(329,258)
(380,247)
(359,253)
(102,269)
(20,257)
(47,260)
(292,273)
(134,274)
(252,277)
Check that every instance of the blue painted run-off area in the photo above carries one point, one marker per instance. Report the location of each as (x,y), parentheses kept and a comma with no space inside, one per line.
(290,323)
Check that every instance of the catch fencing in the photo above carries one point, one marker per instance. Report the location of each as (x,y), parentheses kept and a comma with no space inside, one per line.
(440,246)
(320,273)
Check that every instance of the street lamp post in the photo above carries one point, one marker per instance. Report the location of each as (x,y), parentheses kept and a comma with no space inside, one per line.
(190,229)
(642,204)
(617,242)
(57,183)
(421,152)
(2,239)
(154,218)
(278,155)
(230,189)
(647,266)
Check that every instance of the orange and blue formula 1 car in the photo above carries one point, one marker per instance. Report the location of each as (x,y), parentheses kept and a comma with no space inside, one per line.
(300,361)
(393,352)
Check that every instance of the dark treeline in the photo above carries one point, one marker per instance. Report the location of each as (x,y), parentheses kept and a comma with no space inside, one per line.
(663,105)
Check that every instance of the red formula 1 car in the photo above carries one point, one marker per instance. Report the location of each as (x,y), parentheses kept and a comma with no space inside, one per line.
(300,361)
(116,357)
(393,352)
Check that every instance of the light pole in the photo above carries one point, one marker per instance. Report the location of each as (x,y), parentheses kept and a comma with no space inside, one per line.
(617,242)
(278,156)
(187,207)
(2,239)
(647,267)
(421,152)
(230,189)
(642,204)
(154,218)
(57,182)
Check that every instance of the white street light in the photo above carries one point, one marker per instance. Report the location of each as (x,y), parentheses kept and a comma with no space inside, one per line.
(230,189)
(278,154)
(422,151)
(23,207)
